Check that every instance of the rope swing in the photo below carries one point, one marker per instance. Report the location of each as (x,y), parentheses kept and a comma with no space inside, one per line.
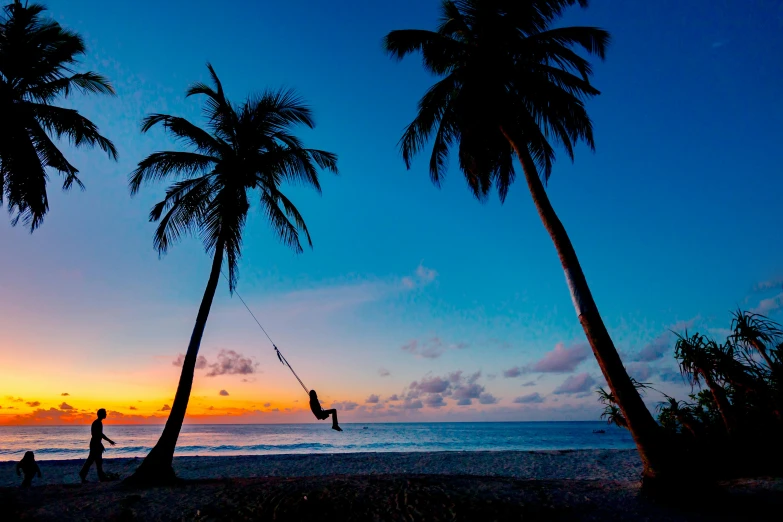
(280,356)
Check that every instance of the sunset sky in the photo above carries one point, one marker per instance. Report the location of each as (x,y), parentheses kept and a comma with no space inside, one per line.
(415,304)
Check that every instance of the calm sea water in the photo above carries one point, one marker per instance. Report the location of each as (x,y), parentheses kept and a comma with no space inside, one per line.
(71,442)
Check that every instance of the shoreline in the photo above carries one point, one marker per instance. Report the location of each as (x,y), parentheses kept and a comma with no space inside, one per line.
(599,464)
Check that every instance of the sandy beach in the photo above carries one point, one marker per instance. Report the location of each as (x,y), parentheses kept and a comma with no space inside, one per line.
(606,465)
(548,485)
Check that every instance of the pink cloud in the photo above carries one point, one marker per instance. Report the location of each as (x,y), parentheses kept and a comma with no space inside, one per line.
(533,398)
(562,359)
(516,371)
(574,384)
(372,399)
(201,361)
(766,306)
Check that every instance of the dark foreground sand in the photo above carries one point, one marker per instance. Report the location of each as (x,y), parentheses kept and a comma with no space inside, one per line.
(542,465)
(489,491)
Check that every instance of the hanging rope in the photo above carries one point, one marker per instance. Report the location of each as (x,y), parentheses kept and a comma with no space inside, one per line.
(280,356)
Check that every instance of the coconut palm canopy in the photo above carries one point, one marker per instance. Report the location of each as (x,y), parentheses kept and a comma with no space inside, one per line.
(38,64)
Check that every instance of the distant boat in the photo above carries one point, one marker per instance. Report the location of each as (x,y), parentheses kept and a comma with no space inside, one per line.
(599,431)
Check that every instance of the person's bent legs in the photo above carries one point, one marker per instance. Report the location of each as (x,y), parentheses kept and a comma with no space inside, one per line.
(333,413)
(28,480)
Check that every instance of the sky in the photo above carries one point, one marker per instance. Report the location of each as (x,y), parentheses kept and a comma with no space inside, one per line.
(415,303)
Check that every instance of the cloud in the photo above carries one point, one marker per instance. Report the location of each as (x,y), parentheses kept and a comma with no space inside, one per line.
(412,404)
(430,385)
(12,399)
(562,359)
(65,406)
(165,407)
(33,404)
(132,408)
(64,394)
(487,398)
(516,371)
(533,398)
(267,404)
(529,383)
(639,370)
(662,344)
(766,306)
(393,398)
(672,376)
(201,361)
(230,362)
(372,399)
(421,278)
(344,405)
(435,401)
(768,285)
(383,372)
(223,393)
(575,384)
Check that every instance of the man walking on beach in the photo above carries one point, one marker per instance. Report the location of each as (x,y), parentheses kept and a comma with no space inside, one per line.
(96,448)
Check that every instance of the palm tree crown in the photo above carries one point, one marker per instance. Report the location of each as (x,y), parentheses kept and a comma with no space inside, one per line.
(506,73)
(247,147)
(37,60)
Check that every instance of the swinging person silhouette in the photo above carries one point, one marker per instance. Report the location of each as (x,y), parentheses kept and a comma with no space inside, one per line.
(322,414)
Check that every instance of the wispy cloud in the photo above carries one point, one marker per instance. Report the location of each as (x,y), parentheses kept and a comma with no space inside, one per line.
(431,348)
(559,360)
(33,404)
(201,361)
(422,277)
(767,306)
(769,284)
(64,394)
(223,393)
(663,343)
(574,384)
(344,405)
(65,406)
(532,398)
(383,372)
(165,407)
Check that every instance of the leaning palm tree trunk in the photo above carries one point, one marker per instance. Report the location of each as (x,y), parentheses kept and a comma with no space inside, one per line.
(719,395)
(645,431)
(157,465)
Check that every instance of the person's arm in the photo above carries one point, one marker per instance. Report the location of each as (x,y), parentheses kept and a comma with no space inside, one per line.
(107,439)
(38,469)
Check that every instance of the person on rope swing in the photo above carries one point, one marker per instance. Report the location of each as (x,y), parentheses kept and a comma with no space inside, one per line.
(322,414)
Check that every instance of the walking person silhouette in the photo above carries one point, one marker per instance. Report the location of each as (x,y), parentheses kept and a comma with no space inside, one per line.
(96,449)
(29,467)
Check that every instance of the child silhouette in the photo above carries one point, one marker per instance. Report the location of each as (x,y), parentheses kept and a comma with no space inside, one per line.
(29,467)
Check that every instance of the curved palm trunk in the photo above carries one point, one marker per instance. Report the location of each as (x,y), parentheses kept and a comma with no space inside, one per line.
(647,434)
(156,467)
(719,395)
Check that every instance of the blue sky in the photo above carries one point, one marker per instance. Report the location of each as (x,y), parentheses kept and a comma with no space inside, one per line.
(675,217)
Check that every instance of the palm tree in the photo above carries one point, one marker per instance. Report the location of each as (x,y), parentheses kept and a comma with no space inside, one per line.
(247,148)
(512,86)
(37,60)
(756,332)
(698,358)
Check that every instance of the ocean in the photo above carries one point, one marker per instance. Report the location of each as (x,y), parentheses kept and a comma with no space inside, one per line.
(71,442)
